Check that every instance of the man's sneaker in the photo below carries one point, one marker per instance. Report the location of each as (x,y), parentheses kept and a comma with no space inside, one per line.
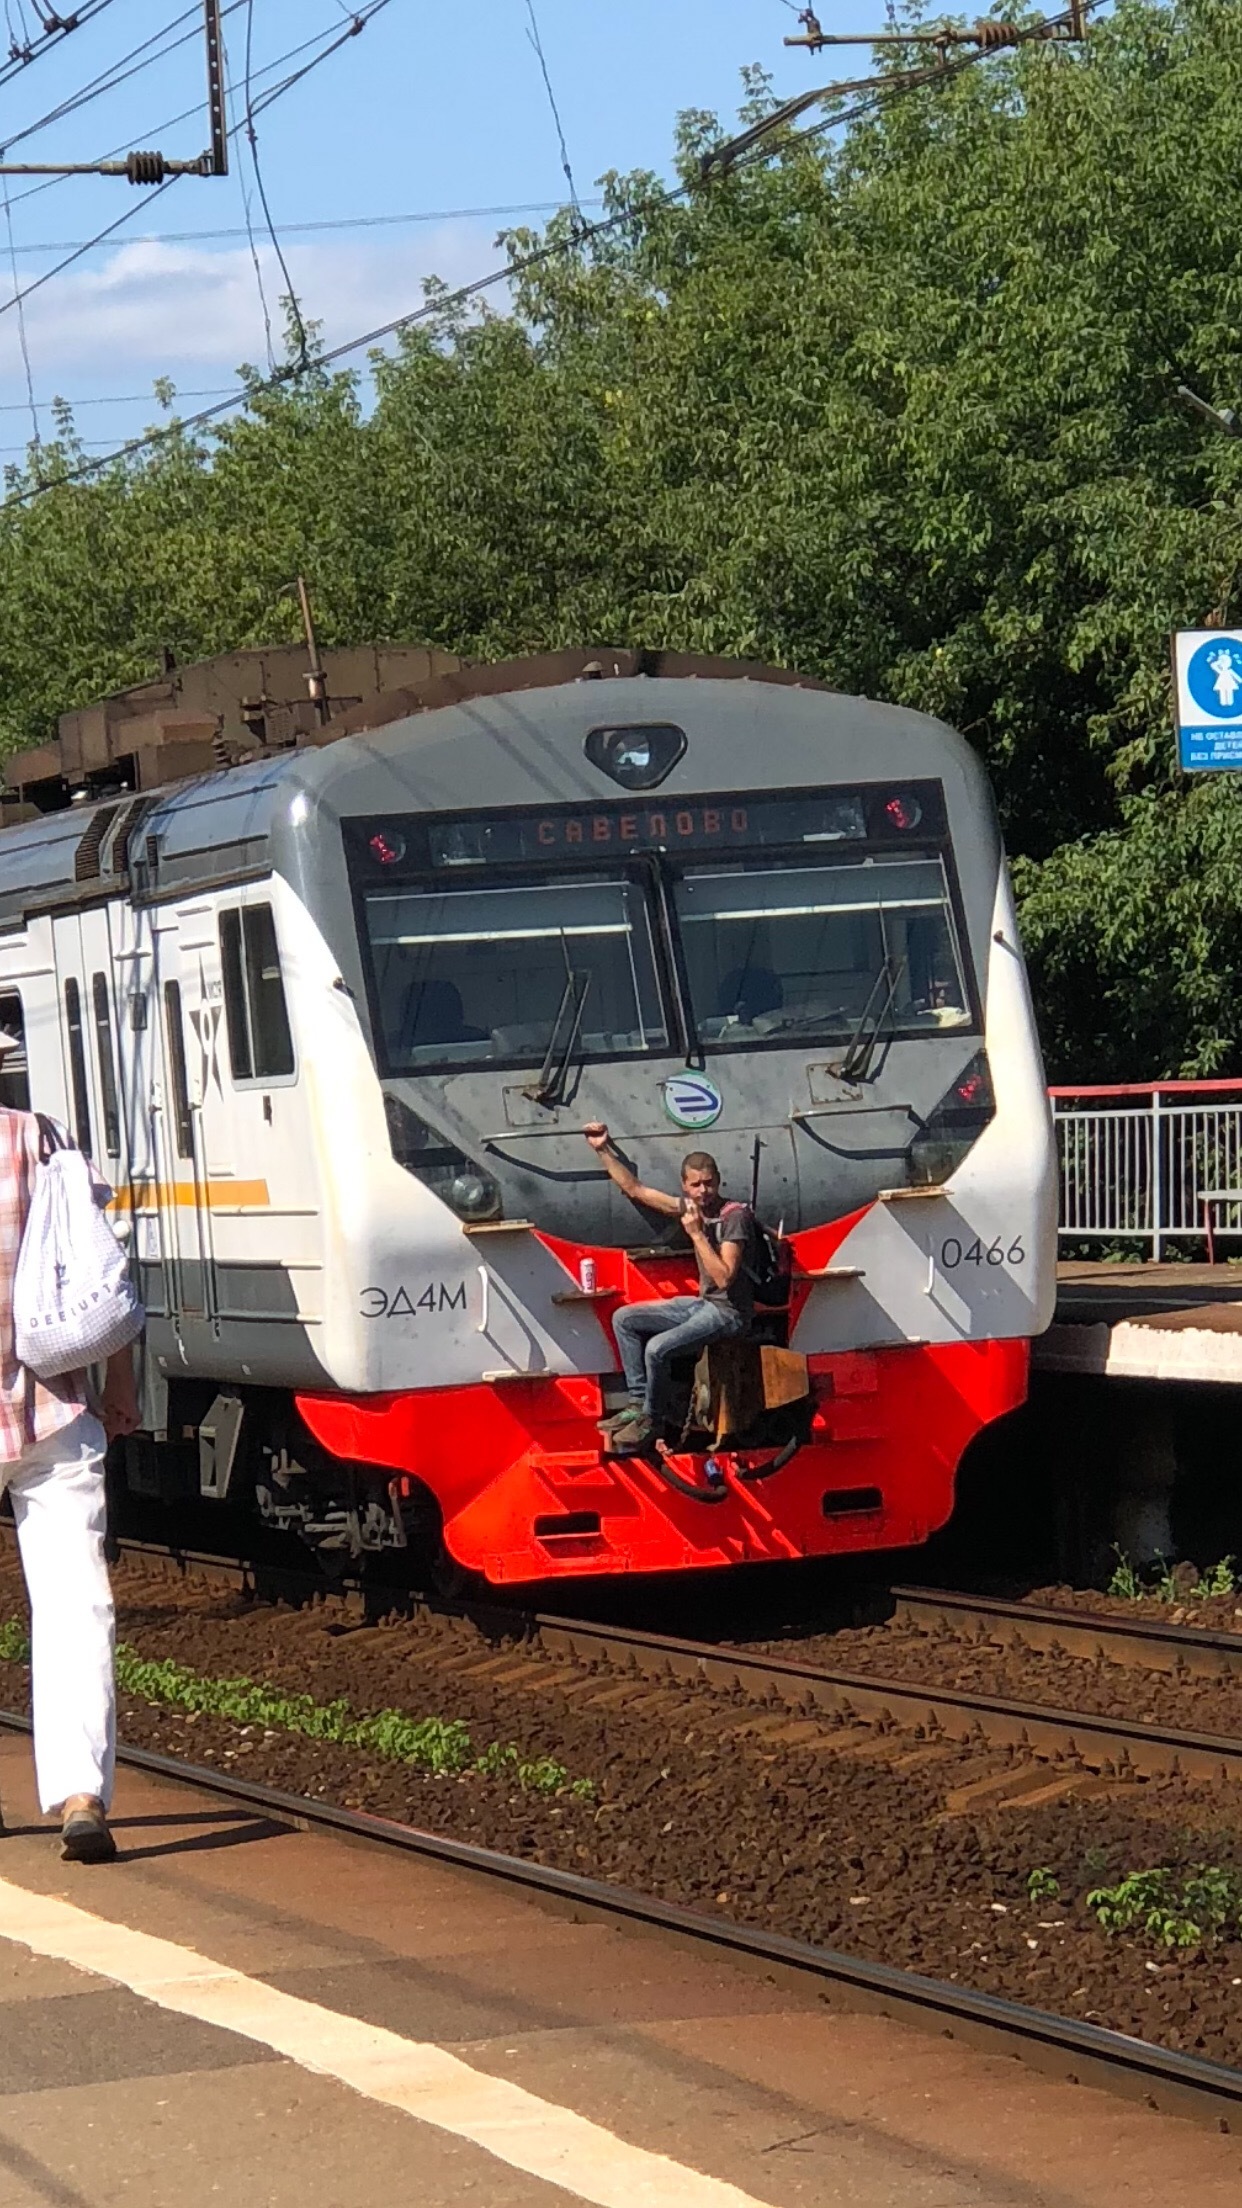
(84,1836)
(634,1438)
(617,1419)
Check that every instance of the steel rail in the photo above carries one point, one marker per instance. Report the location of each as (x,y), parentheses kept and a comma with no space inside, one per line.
(1146,1642)
(1074,1736)
(1086,2054)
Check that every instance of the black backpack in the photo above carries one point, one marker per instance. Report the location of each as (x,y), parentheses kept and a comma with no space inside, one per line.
(770,1262)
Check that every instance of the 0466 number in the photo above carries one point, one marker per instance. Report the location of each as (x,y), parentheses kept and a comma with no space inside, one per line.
(954,1253)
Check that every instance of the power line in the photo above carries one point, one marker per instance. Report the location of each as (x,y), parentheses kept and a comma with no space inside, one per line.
(54,29)
(127,214)
(170,122)
(124,398)
(21,316)
(244,188)
(537,42)
(117,73)
(340,222)
(240,395)
(887,88)
(276,92)
(252,136)
(987,39)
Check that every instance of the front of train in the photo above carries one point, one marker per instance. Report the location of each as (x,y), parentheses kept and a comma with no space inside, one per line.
(713,909)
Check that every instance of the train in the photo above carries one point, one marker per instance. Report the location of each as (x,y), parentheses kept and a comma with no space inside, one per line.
(331,1022)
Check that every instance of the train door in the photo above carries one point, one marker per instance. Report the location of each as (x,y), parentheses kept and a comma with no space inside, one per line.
(88,1008)
(180,1228)
(86,989)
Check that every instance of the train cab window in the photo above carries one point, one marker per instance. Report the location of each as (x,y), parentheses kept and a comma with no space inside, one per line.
(14,1075)
(260,1041)
(782,952)
(77,1067)
(102,1003)
(476,976)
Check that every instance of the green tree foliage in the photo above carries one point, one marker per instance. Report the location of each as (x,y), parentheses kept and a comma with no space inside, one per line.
(893,406)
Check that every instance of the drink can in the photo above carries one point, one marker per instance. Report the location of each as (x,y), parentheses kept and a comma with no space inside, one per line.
(586,1276)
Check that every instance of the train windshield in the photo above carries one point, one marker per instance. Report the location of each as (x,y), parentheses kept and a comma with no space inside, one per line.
(776,952)
(472,976)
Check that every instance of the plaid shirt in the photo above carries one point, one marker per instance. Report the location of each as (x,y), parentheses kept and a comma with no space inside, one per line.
(30,1410)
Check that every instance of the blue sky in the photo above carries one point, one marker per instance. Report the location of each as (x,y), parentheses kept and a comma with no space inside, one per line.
(429,111)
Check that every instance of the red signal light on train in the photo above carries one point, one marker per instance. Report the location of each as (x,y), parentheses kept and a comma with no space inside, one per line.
(903,812)
(387,850)
(972,1088)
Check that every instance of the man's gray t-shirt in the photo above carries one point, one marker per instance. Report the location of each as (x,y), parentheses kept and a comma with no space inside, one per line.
(736,1223)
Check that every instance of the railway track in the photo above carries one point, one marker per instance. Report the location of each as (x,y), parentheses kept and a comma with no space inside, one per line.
(1085,1742)
(1149,1645)
(783,1699)
(1082,2053)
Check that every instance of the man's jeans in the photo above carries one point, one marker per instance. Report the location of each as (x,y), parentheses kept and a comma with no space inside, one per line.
(650,1335)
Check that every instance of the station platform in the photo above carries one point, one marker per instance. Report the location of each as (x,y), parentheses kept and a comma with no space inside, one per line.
(243,2010)
(1146,1322)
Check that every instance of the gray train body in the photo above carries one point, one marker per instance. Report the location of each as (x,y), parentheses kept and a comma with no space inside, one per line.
(332,1023)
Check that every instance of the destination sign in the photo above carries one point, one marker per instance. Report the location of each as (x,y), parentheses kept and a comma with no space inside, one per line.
(615,828)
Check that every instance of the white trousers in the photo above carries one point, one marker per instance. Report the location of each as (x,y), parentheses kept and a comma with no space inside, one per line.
(59,1505)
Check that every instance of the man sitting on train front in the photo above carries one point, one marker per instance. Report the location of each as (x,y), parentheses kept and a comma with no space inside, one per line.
(650,1335)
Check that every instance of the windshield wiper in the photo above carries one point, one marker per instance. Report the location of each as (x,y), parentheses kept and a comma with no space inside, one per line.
(550,1086)
(856,1064)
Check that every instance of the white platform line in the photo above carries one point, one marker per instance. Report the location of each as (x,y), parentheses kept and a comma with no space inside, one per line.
(424,2080)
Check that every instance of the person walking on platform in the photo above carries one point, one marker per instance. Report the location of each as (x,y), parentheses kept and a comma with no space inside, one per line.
(52,1445)
(650,1335)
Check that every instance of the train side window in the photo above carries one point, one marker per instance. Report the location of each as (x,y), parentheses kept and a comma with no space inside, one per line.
(240,1055)
(184,1125)
(77,1067)
(260,1041)
(107,1064)
(14,1076)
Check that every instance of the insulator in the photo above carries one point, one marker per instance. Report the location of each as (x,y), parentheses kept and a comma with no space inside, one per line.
(146,168)
(989,35)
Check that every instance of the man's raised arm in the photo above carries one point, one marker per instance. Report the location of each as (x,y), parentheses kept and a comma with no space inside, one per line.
(629,1184)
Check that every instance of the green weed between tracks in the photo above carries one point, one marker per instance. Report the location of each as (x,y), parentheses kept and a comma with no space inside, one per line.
(1171,1908)
(1171,1585)
(1168,1908)
(441,1746)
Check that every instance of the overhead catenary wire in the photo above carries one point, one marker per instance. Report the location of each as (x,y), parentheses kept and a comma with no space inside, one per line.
(49,275)
(155,130)
(252,140)
(116,74)
(727,154)
(889,86)
(53,32)
(123,398)
(329,224)
(536,41)
(21,319)
(136,208)
(244,189)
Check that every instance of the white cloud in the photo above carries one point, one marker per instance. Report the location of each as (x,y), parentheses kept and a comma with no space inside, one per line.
(155,308)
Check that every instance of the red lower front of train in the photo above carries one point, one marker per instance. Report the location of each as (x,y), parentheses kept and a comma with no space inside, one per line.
(525,1492)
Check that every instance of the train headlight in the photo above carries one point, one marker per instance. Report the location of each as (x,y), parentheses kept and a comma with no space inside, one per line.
(474,1196)
(637,757)
(954,1127)
(435,1161)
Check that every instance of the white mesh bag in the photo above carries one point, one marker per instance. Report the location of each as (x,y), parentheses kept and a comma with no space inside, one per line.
(74,1303)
